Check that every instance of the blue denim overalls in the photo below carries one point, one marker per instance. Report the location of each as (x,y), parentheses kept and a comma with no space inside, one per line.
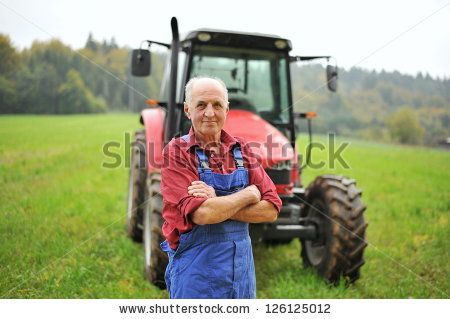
(214,261)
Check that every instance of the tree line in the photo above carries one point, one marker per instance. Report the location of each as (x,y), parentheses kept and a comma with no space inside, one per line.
(381,106)
(51,78)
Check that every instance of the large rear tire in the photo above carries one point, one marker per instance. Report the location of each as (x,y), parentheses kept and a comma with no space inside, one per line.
(155,260)
(136,187)
(334,206)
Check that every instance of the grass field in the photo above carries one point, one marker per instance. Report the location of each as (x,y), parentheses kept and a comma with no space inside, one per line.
(62,229)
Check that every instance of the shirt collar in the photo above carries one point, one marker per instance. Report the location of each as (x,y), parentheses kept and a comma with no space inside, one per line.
(227,141)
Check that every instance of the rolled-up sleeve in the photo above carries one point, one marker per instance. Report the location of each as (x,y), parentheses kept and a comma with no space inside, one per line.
(177,175)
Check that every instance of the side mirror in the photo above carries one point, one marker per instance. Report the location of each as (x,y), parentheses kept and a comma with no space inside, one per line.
(140,62)
(332,75)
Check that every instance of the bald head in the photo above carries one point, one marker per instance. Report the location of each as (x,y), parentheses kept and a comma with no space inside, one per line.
(204,80)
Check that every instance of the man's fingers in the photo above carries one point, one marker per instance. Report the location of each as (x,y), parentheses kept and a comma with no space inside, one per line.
(199,186)
(202,192)
(198,182)
(193,187)
(196,194)
(197,190)
(201,189)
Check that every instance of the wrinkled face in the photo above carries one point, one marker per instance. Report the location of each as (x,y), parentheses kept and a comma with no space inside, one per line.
(208,108)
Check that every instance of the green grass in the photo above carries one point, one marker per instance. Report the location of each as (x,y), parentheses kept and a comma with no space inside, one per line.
(62,232)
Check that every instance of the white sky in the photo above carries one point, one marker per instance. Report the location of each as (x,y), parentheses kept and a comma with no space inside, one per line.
(349,30)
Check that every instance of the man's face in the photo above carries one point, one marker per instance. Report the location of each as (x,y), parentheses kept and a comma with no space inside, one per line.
(208,108)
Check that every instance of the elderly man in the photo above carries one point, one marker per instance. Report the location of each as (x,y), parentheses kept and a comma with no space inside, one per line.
(211,193)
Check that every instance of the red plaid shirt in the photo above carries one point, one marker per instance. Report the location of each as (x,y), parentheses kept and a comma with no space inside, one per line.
(180,170)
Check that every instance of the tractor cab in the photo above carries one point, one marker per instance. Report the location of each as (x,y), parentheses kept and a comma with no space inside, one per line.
(255,72)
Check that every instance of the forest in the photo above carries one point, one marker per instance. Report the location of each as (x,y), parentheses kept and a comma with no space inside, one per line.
(52,78)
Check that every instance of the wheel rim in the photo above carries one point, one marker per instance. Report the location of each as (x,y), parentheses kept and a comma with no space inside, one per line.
(316,249)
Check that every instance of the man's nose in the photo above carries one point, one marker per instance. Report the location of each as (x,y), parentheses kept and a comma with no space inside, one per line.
(209,110)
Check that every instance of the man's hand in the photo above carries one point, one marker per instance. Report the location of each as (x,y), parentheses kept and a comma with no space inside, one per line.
(201,189)
(254,191)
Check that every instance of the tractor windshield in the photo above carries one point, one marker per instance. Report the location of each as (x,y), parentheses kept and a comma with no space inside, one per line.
(256,79)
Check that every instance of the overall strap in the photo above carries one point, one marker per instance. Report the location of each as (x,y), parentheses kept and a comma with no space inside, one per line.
(203,164)
(239,160)
(202,159)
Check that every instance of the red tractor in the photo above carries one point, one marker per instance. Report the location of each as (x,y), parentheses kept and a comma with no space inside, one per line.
(327,217)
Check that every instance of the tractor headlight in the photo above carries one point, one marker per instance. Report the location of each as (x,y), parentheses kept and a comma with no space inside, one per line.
(204,37)
(280,44)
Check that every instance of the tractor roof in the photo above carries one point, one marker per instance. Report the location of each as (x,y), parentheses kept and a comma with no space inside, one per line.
(238,39)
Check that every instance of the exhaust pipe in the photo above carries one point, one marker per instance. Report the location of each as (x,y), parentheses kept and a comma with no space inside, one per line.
(170,128)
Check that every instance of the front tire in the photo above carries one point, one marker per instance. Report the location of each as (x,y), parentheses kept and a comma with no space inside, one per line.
(334,206)
(136,187)
(155,260)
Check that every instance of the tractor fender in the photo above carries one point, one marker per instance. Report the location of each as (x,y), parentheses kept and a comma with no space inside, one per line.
(153,121)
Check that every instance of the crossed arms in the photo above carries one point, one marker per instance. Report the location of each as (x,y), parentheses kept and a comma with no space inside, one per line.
(245,206)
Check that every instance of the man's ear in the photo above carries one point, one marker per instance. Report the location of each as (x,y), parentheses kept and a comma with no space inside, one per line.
(186,110)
